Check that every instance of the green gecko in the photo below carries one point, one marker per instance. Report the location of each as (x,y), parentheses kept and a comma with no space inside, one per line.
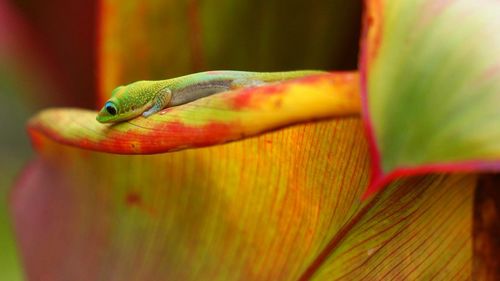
(148,97)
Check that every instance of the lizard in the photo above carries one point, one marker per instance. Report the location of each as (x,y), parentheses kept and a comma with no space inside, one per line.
(149,97)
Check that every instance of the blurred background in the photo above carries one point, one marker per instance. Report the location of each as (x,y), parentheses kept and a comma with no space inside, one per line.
(47,53)
(67,53)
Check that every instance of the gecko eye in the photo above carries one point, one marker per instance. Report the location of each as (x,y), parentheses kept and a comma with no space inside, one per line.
(111,108)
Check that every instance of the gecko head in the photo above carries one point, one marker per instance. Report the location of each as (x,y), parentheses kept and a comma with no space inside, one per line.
(110,112)
(126,102)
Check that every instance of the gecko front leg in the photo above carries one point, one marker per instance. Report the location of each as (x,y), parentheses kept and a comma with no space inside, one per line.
(161,100)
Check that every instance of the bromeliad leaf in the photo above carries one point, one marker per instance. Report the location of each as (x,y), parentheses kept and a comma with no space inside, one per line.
(283,205)
(215,119)
(271,205)
(431,72)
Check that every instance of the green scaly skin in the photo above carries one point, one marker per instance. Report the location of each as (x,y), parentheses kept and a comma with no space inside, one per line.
(148,97)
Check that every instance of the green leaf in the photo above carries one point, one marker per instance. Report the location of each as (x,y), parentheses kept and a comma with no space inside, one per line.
(432,78)
(283,205)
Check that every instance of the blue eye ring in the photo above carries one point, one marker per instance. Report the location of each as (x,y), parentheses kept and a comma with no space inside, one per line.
(111,108)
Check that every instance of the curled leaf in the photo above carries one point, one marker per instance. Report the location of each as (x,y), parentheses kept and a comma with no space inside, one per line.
(215,119)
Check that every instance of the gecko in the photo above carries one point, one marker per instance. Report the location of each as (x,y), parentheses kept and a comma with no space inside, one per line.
(149,97)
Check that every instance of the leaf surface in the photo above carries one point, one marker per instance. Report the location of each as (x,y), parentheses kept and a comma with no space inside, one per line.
(283,205)
(270,205)
(431,80)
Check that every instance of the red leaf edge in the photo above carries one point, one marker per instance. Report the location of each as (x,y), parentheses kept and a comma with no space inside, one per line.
(373,12)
